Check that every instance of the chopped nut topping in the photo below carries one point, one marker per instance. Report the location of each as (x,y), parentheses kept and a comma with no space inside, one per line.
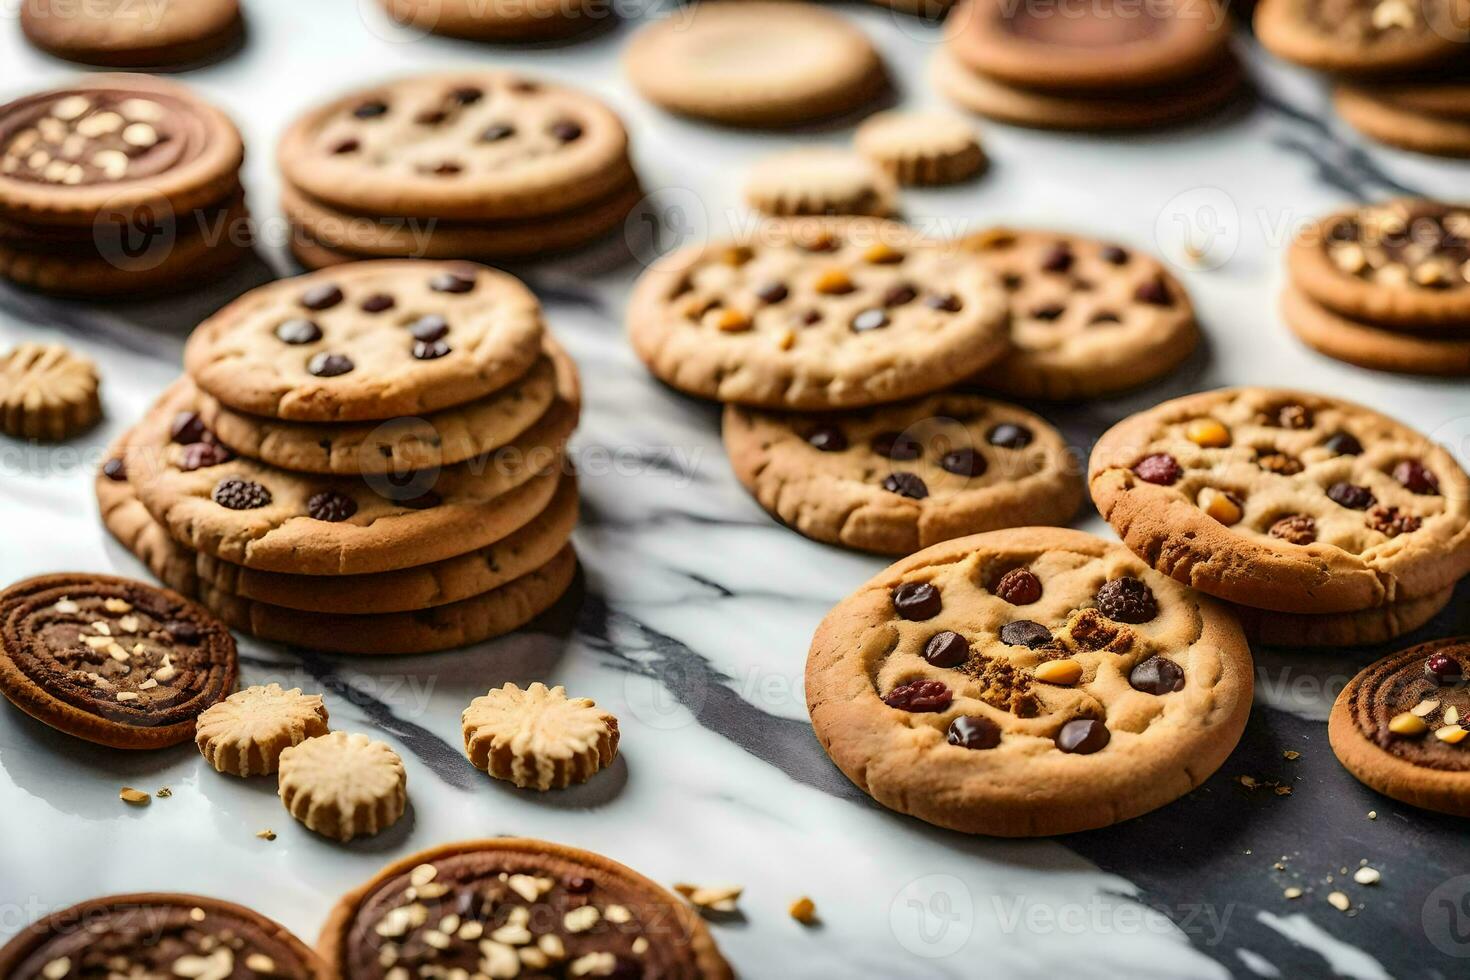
(716,899)
(581,919)
(57,968)
(1367,876)
(803,910)
(1063,673)
(1408,724)
(117,606)
(529,887)
(1339,901)
(260,963)
(1424,708)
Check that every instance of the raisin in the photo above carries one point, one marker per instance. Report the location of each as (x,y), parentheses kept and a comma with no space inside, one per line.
(919,696)
(1159,468)
(1127,600)
(772,292)
(1058,258)
(1019,587)
(900,295)
(1154,292)
(1416,477)
(237,494)
(187,428)
(115,469)
(1343,444)
(1351,496)
(202,455)
(1296,529)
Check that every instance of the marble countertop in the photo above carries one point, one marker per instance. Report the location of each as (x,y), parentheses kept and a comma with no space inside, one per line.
(694,612)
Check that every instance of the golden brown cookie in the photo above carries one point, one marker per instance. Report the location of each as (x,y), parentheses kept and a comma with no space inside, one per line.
(538,738)
(246,733)
(1391,122)
(499,20)
(817,181)
(1363,37)
(1027,682)
(125,34)
(1367,626)
(921,148)
(1371,346)
(343,785)
(47,392)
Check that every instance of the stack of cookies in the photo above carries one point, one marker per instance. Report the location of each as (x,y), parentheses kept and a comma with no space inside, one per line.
(1324,522)
(119,184)
(1385,287)
(835,344)
(483,165)
(366,460)
(1096,67)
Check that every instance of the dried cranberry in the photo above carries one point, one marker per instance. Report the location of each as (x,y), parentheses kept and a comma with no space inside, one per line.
(331,506)
(202,455)
(909,485)
(827,439)
(946,649)
(1019,587)
(917,601)
(920,696)
(1008,435)
(1127,600)
(1416,477)
(963,462)
(237,494)
(1351,496)
(1157,675)
(1160,468)
(1083,736)
(1025,633)
(1154,292)
(896,445)
(1444,669)
(973,732)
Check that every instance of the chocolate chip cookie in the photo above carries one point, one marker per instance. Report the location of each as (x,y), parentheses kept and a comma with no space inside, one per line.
(817,314)
(1027,682)
(376,340)
(1285,500)
(1361,37)
(112,661)
(1402,726)
(902,477)
(1366,626)
(158,934)
(1088,318)
(497,904)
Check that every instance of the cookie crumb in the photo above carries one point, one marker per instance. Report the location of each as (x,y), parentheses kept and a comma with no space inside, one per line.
(266,834)
(1248,782)
(164,793)
(1339,901)
(723,898)
(134,797)
(1292,892)
(803,910)
(1372,814)
(1367,876)
(1291,754)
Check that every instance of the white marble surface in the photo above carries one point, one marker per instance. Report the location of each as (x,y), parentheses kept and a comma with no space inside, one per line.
(697,609)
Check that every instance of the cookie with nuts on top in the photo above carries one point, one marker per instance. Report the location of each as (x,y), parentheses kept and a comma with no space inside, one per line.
(112,661)
(1088,318)
(897,478)
(155,934)
(1363,37)
(816,314)
(1027,682)
(516,904)
(1402,726)
(1285,500)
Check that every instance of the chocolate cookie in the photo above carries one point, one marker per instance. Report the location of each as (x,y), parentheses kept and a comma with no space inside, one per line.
(1371,346)
(1367,626)
(1285,500)
(250,514)
(155,934)
(902,477)
(1363,36)
(1391,122)
(1027,682)
(755,63)
(1088,318)
(1402,726)
(497,905)
(377,340)
(482,145)
(124,34)
(112,661)
(1404,264)
(816,314)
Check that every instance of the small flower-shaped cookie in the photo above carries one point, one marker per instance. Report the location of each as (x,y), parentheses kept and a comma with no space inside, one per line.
(343,786)
(246,733)
(538,738)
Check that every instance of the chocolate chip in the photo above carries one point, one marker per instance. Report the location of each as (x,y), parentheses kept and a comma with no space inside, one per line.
(322,297)
(827,438)
(944,302)
(899,295)
(1113,255)
(1105,316)
(772,292)
(430,350)
(906,485)
(237,494)
(1297,529)
(1444,669)
(467,94)
(896,445)
(202,455)
(378,303)
(298,330)
(1127,600)
(187,428)
(566,130)
(1048,311)
(1157,675)
(325,365)
(431,117)
(1351,496)
(1159,468)
(181,631)
(1153,292)
(946,649)
(1019,587)
(810,318)
(871,319)
(1011,282)
(963,462)
(1083,736)
(115,469)
(452,282)
(1343,444)
(1058,258)
(497,132)
(446,168)
(429,327)
(371,109)
(1025,633)
(1007,435)
(919,696)
(916,601)
(331,506)
(348,145)
(1415,476)
(973,732)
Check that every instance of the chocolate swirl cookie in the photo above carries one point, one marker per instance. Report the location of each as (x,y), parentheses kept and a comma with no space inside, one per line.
(511,907)
(110,660)
(1402,726)
(158,935)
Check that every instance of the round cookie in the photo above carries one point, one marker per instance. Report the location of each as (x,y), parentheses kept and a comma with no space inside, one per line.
(1358,37)
(483,145)
(1402,726)
(816,314)
(498,20)
(755,63)
(581,911)
(1444,99)
(901,477)
(47,392)
(1371,346)
(921,148)
(1405,264)
(817,181)
(376,340)
(246,733)
(1027,682)
(158,934)
(1285,500)
(1184,101)
(343,785)
(1088,318)
(250,514)
(114,144)
(1367,626)
(125,34)
(1089,48)
(112,661)
(1395,125)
